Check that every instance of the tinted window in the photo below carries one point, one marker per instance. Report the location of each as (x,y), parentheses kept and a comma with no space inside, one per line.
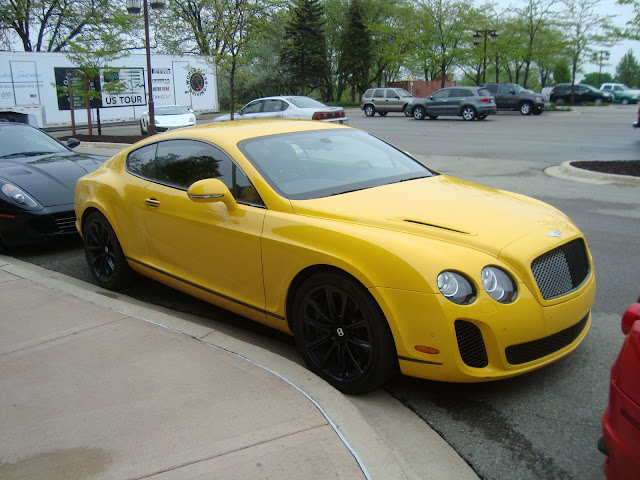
(441,94)
(506,89)
(142,161)
(306,102)
(379,93)
(253,107)
(492,88)
(273,105)
(180,163)
(368,93)
(392,94)
(171,110)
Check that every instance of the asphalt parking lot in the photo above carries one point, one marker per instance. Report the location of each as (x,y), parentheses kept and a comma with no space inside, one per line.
(546,424)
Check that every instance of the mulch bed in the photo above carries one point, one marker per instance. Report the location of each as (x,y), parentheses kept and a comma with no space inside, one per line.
(618,167)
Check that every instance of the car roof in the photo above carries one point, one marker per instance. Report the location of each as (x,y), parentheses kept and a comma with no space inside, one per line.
(228,134)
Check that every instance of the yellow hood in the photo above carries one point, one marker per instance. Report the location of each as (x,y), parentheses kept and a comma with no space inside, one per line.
(444,208)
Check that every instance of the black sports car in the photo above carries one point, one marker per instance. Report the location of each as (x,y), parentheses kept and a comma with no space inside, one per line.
(37,180)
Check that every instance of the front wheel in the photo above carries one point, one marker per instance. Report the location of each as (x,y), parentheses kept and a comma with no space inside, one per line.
(369,110)
(525,108)
(143,130)
(598,101)
(104,255)
(419,112)
(342,334)
(482,117)
(468,113)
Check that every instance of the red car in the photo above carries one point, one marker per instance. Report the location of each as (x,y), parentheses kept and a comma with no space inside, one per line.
(621,421)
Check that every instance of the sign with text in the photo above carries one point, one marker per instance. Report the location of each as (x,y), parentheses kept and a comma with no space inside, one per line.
(77,80)
(132,91)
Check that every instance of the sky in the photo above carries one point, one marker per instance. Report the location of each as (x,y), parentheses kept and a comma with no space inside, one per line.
(621,13)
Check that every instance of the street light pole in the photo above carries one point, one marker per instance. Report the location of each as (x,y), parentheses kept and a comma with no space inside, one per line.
(600,57)
(133,7)
(476,41)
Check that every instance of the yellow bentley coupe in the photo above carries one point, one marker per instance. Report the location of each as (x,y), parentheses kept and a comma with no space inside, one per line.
(374,262)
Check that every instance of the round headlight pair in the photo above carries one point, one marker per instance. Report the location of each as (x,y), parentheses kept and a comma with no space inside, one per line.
(496,282)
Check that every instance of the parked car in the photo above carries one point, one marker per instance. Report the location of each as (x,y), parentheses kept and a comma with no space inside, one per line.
(470,103)
(374,262)
(622,93)
(561,94)
(621,420)
(288,106)
(383,100)
(511,96)
(37,178)
(168,117)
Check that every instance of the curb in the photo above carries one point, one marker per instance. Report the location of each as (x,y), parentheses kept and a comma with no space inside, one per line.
(568,171)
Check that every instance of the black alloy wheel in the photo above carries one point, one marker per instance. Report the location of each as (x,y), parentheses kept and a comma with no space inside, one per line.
(104,255)
(342,333)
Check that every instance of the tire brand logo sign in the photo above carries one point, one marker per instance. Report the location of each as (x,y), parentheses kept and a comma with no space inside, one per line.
(197,82)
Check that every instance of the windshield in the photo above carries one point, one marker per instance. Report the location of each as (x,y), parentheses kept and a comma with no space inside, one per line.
(306,165)
(403,92)
(306,102)
(170,110)
(23,140)
(519,89)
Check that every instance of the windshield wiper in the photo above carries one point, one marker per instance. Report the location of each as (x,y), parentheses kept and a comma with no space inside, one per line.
(26,154)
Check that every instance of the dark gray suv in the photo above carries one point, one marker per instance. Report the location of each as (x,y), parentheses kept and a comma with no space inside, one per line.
(470,103)
(511,96)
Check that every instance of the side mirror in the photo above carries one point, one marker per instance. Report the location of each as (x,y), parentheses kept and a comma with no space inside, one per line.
(211,190)
(73,142)
(190,110)
(512,92)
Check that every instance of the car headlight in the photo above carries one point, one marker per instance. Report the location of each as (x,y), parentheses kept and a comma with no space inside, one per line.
(19,196)
(539,100)
(499,285)
(192,119)
(456,288)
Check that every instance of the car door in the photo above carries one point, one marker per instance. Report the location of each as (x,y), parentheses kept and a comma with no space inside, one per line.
(457,97)
(436,103)
(394,102)
(251,110)
(379,99)
(204,245)
(507,97)
(273,108)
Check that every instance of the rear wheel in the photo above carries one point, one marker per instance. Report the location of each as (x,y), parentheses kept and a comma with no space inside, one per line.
(419,112)
(598,101)
(433,117)
(369,110)
(383,114)
(407,111)
(143,130)
(624,101)
(342,333)
(468,113)
(104,255)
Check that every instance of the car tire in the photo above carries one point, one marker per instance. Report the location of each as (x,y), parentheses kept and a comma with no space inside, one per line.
(598,101)
(383,114)
(369,110)
(143,131)
(407,111)
(482,117)
(104,254)
(468,113)
(342,333)
(419,112)
(526,108)
(624,101)
(433,117)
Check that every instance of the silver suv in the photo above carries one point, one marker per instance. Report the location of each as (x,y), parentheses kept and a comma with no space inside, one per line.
(384,100)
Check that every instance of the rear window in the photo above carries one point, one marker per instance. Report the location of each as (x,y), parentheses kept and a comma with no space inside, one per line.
(483,92)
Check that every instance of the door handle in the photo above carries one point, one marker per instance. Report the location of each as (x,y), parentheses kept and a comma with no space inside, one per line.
(152,202)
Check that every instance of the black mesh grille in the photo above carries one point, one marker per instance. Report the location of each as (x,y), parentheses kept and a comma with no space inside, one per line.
(57,224)
(527,352)
(561,270)
(471,344)
(66,223)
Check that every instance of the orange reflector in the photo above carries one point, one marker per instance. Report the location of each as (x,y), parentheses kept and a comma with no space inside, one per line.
(8,216)
(430,350)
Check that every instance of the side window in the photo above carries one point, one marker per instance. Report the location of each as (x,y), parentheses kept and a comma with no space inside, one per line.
(617,88)
(179,163)
(441,94)
(492,88)
(607,87)
(243,191)
(368,94)
(141,162)
(379,93)
(253,107)
(505,88)
(273,105)
(392,94)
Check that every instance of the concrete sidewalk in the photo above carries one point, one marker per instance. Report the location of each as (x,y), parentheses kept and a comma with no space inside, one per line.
(93,386)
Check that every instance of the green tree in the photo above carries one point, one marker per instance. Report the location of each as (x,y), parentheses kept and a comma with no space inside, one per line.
(50,25)
(304,51)
(597,78)
(355,50)
(628,70)
(562,72)
(632,30)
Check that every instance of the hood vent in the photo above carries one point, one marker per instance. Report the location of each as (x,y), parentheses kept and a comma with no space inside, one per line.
(441,227)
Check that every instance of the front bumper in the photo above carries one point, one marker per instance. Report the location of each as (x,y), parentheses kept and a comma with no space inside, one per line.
(22,228)
(166,128)
(485,340)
